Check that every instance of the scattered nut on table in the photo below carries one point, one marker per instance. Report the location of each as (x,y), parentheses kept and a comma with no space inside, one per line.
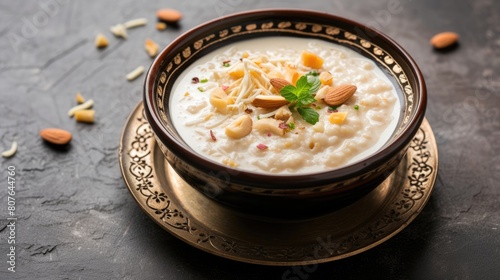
(135,73)
(10,152)
(169,15)
(86,116)
(119,30)
(135,23)
(88,104)
(444,39)
(161,26)
(101,41)
(79,98)
(56,136)
(151,47)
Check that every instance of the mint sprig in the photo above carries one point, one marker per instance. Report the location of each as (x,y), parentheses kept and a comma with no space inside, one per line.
(301,96)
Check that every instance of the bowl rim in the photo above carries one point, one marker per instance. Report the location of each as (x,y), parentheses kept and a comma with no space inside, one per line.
(283,181)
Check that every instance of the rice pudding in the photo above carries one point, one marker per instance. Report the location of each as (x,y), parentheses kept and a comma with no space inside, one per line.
(284,105)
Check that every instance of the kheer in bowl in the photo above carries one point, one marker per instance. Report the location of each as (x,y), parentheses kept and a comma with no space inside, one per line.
(284,112)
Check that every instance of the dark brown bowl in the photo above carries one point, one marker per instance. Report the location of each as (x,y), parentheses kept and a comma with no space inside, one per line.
(284,195)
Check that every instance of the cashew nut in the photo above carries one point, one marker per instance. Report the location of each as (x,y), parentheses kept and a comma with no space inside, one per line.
(240,127)
(269,125)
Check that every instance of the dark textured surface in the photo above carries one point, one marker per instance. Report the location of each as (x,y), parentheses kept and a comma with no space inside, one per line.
(77,220)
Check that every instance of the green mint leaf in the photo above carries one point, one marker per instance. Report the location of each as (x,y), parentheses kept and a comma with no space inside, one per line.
(302,86)
(314,82)
(312,73)
(309,115)
(305,100)
(288,92)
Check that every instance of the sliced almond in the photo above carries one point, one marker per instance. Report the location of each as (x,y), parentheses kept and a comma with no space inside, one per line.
(56,136)
(273,74)
(279,83)
(291,74)
(444,39)
(220,100)
(336,96)
(240,127)
(269,101)
(237,71)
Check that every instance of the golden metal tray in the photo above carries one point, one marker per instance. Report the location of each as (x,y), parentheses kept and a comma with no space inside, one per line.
(209,226)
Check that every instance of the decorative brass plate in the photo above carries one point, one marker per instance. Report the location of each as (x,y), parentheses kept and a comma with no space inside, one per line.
(209,226)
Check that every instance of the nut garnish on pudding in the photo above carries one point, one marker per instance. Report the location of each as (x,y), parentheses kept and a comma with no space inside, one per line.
(313,105)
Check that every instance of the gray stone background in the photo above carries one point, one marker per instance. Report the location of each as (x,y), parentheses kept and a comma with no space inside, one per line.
(76,218)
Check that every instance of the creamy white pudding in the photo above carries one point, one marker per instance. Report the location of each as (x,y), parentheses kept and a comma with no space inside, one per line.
(228,106)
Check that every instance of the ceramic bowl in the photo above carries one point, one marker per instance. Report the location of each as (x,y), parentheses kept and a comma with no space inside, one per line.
(284,195)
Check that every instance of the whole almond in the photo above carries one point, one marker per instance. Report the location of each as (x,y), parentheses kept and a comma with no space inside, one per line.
(444,39)
(336,96)
(169,15)
(279,83)
(269,101)
(56,136)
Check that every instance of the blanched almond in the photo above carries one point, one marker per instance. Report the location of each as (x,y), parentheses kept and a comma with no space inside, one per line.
(240,127)
(10,152)
(269,101)
(320,94)
(279,83)
(336,96)
(56,136)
